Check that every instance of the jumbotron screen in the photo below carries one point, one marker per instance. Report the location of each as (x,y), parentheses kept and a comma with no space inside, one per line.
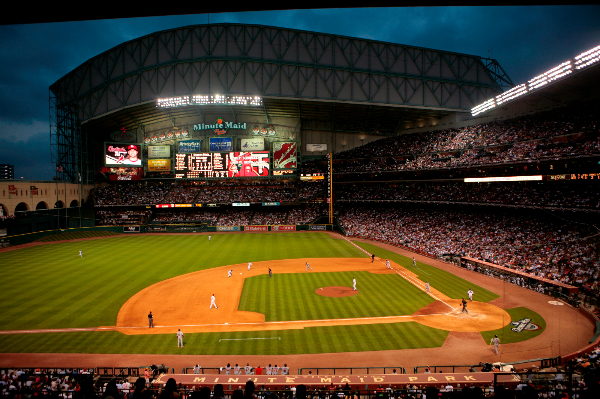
(222,165)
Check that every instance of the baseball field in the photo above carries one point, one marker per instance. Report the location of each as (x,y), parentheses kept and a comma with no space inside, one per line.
(55,301)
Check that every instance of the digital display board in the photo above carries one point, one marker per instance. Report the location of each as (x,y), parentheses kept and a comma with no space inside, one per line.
(159,151)
(196,166)
(221,165)
(119,154)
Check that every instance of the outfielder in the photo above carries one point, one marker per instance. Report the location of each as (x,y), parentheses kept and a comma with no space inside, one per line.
(208,238)
(179,338)
(212,302)
(414,262)
(496,342)
(470,292)
(427,287)
(308,267)
(354,284)
(81,254)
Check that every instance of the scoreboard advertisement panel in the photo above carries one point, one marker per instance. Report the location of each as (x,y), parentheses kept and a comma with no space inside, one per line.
(221,165)
(285,155)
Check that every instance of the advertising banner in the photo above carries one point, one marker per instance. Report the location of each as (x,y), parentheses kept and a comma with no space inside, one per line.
(318,227)
(220,144)
(159,151)
(316,147)
(159,165)
(118,154)
(131,229)
(271,203)
(189,146)
(3,232)
(285,155)
(255,144)
(228,228)
(124,177)
(240,204)
(256,228)
(123,136)
(282,228)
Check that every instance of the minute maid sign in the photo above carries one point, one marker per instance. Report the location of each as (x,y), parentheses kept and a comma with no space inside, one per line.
(220,127)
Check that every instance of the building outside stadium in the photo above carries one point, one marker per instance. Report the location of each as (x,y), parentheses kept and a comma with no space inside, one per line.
(226,104)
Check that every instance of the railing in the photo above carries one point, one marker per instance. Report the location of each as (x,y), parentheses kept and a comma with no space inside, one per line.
(351,370)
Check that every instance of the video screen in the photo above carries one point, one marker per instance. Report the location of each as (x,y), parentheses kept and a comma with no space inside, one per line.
(222,165)
(120,154)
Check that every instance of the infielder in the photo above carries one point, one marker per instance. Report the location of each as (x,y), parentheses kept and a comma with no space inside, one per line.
(496,342)
(387,263)
(212,302)
(249,265)
(150,320)
(308,267)
(270,272)
(470,292)
(414,262)
(354,284)
(179,338)
(229,273)
(427,287)
(81,254)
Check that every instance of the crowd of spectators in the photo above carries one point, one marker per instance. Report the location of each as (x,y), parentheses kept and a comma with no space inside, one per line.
(182,195)
(153,193)
(106,217)
(310,189)
(270,217)
(304,215)
(564,195)
(235,218)
(550,246)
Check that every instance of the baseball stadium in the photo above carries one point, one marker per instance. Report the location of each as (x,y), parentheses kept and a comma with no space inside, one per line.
(317,211)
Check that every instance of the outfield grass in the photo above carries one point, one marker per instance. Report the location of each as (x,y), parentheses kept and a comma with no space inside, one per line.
(50,286)
(77,235)
(443,281)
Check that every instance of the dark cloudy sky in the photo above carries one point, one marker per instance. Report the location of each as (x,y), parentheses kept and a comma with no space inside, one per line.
(526,41)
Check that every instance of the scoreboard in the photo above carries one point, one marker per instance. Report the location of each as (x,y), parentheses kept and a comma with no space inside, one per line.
(222,165)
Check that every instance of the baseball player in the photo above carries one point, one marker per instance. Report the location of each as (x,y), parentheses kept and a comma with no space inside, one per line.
(285,370)
(275,370)
(427,288)
(354,284)
(496,342)
(208,238)
(229,273)
(197,369)
(270,272)
(249,265)
(81,254)
(236,369)
(387,263)
(269,369)
(150,320)
(464,305)
(212,302)
(414,262)
(308,267)
(228,369)
(372,258)
(470,292)
(179,338)
(247,369)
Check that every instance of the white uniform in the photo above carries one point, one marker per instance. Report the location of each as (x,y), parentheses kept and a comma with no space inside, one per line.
(308,267)
(229,273)
(414,262)
(354,284)
(427,286)
(387,263)
(249,265)
(285,370)
(275,370)
(470,292)
(236,369)
(228,369)
(81,253)
(208,238)
(179,339)
(269,370)
(213,303)
(496,342)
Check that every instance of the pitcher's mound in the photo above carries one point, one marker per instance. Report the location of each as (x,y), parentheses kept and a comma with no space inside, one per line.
(336,291)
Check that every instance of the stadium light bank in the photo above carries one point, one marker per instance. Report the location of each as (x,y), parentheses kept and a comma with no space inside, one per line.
(216,99)
(582,61)
(502,178)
